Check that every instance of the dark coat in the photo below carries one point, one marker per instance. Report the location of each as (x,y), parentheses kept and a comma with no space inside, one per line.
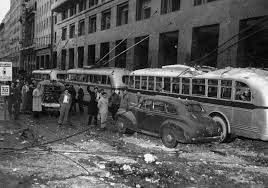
(93,104)
(80,95)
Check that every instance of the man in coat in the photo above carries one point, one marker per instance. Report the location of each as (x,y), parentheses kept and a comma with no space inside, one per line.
(10,99)
(103,110)
(114,103)
(37,101)
(65,104)
(92,107)
(80,99)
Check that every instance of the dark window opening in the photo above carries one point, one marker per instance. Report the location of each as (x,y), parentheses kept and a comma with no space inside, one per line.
(93,3)
(72,31)
(71,58)
(64,33)
(253,50)
(141,52)
(122,14)
(63,59)
(168,48)
(64,15)
(169,6)
(143,9)
(81,28)
(106,20)
(104,50)
(92,24)
(91,54)
(120,61)
(82,5)
(80,57)
(73,10)
(54,60)
(205,39)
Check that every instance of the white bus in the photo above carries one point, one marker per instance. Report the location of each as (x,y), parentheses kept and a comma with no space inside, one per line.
(104,78)
(236,98)
(49,74)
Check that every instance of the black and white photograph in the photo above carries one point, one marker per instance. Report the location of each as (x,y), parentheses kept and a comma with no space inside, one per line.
(133,93)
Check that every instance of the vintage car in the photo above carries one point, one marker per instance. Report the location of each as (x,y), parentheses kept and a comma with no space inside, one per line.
(51,94)
(174,120)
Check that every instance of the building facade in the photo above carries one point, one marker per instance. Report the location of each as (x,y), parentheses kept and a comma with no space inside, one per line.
(154,33)
(4,38)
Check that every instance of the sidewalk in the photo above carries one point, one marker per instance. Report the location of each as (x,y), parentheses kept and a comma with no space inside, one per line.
(4,116)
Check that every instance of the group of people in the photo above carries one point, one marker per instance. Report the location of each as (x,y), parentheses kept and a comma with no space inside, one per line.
(24,97)
(99,104)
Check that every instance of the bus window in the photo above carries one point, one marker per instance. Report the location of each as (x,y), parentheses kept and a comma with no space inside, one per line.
(212,88)
(84,78)
(198,87)
(242,92)
(226,89)
(158,84)
(97,79)
(175,85)
(108,81)
(61,76)
(167,84)
(144,82)
(131,82)
(104,79)
(125,79)
(151,83)
(137,82)
(185,86)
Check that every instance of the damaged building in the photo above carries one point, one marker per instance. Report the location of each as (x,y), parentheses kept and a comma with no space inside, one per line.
(154,33)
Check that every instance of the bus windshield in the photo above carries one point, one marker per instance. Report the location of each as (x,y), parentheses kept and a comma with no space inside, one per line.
(194,108)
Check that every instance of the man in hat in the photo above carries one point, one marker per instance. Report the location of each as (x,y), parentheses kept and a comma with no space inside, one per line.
(65,104)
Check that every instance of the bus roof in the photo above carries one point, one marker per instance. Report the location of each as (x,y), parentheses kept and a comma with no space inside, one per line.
(48,71)
(99,71)
(168,72)
(236,73)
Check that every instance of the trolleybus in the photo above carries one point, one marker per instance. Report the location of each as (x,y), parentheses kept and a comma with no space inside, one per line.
(49,74)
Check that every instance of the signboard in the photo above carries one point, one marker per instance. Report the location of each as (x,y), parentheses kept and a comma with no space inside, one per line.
(4,90)
(5,71)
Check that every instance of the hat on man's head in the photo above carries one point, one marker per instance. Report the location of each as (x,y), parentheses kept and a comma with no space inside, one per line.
(96,87)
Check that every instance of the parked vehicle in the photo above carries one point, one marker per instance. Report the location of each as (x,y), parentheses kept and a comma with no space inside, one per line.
(49,74)
(174,120)
(236,98)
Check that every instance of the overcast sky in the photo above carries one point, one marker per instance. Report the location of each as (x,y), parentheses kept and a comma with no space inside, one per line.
(4,8)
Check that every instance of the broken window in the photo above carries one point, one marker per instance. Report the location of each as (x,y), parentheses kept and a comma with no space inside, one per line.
(106,20)
(120,61)
(143,9)
(141,51)
(71,58)
(169,6)
(63,33)
(72,31)
(104,50)
(253,45)
(81,28)
(168,48)
(91,54)
(80,57)
(92,24)
(205,39)
(122,14)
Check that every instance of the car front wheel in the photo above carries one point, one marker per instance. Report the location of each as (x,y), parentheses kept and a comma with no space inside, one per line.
(168,137)
(121,125)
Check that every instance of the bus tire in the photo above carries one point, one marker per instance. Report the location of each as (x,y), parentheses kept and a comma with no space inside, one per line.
(224,126)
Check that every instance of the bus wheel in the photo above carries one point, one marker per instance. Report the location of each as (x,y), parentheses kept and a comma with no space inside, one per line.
(224,128)
(168,137)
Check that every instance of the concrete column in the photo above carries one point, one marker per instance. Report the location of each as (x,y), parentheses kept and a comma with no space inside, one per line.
(113,16)
(185,45)
(229,56)
(98,24)
(97,52)
(153,50)
(155,7)
(130,54)
(132,11)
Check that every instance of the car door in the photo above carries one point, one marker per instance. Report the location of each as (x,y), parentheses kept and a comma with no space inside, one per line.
(144,114)
(159,115)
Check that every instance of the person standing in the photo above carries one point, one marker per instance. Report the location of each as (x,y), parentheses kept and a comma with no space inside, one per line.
(92,108)
(114,103)
(37,101)
(97,93)
(80,99)
(103,110)
(17,100)
(29,99)
(125,100)
(73,94)
(24,91)
(10,99)
(65,105)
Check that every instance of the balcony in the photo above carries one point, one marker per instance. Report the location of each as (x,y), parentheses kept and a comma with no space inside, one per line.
(60,5)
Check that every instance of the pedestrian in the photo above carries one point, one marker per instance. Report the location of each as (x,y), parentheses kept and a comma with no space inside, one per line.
(103,110)
(114,103)
(17,100)
(65,105)
(125,100)
(73,94)
(80,99)
(92,107)
(10,99)
(37,101)
(29,99)
(25,89)
(97,93)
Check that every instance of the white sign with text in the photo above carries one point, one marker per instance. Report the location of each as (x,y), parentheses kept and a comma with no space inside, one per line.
(5,71)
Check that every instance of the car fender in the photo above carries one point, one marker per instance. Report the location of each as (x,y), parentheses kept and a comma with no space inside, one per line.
(128,115)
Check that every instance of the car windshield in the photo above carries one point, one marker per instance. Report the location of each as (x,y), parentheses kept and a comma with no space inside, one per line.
(194,108)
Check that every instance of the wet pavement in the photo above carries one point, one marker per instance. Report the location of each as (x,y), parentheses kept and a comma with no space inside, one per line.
(109,159)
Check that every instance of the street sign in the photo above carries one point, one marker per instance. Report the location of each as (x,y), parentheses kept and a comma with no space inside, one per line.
(5,71)
(4,90)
